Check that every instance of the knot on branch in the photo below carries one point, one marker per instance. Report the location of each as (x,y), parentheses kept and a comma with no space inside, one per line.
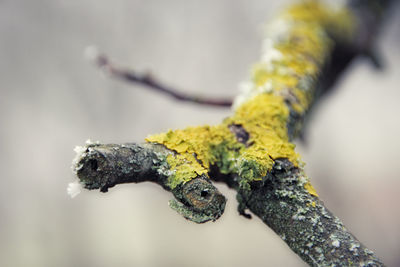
(199,200)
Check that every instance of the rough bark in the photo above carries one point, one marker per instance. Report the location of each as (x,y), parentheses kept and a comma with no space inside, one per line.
(252,151)
(101,166)
(284,204)
(303,222)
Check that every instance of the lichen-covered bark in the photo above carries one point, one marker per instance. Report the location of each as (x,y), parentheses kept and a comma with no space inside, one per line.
(303,221)
(100,166)
(103,166)
(305,50)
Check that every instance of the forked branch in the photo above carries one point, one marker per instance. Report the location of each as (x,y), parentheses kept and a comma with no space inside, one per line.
(305,51)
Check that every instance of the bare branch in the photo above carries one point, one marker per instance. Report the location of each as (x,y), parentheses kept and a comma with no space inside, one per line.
(150,82)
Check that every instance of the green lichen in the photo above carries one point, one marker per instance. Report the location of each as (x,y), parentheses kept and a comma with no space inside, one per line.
(224,156)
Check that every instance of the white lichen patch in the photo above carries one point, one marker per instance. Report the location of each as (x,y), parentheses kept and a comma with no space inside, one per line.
(246,92)
(74,189)
(316,220)
(265,88)
(275,32)
(285,193)
(270,53)
(163,167)
(354,247)
(318,250)
(300,214)
(335,240)
(336,243)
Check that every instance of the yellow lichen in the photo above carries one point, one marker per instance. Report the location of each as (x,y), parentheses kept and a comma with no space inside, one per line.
(337,21)
(304,49)
(265,119)
(186,168)
(261,75)
(283,83)
(192,140)
(310,189)
(193,146)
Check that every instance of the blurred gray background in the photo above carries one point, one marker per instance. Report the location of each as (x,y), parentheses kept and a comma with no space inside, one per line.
(52,99)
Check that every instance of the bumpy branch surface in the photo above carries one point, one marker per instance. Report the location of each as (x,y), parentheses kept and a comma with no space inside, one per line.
(306,49)
(303,221)
(101,166)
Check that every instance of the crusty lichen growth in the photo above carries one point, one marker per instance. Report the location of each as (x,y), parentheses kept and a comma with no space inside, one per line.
(272,107)
(193,147)
(303,222)
(253,146)
(264,118)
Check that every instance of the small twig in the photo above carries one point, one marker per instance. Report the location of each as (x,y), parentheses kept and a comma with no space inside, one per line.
(150,82)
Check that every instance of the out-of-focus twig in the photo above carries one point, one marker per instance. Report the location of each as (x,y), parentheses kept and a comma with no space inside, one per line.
(150,82)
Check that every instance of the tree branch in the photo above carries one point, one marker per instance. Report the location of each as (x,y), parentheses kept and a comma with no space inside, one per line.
(101,166)
(150,82)
(252,151)
(303,222)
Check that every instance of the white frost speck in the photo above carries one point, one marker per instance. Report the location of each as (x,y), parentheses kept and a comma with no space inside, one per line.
(270,53)
(336,243)
(247,91)
(74,189)
(79,149)
(90,142)
(80,152)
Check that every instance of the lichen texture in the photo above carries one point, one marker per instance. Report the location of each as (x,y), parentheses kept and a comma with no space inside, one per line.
(252,150)
(271,109)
